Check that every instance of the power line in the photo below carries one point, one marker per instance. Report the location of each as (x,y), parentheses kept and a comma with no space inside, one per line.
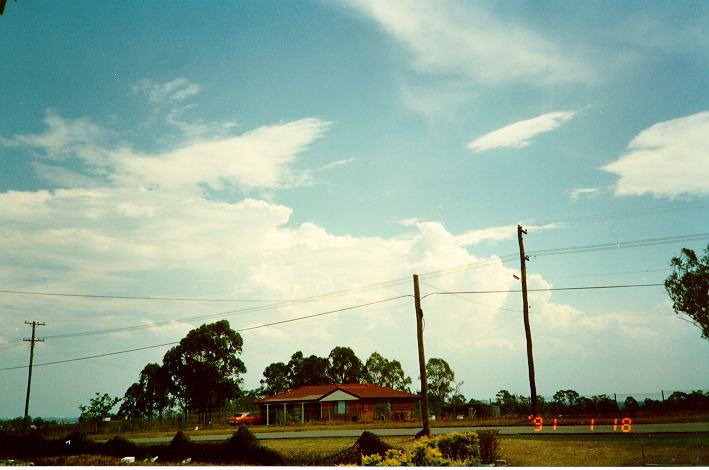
(625,214)
(473,302)
(545,252)
(129,297)
(385,284)
(92,357)
(265,307)
(546,289)
(619,245)
(616,273)
(304,317)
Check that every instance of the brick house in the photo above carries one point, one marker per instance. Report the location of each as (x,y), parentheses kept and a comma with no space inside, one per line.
(338,402)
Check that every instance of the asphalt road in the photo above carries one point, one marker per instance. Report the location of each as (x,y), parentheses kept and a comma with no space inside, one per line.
(507,430)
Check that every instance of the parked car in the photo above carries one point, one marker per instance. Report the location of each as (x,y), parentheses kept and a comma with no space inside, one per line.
(245,418)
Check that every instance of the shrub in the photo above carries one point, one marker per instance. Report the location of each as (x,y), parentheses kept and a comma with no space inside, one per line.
(244,448)
(367,444)
(489,446)
(119,447)
(456,449)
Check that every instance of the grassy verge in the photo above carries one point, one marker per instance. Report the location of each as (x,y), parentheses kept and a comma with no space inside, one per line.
(578,452)
(543,451)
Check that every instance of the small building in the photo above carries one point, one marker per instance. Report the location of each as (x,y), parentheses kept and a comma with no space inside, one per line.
(338,402)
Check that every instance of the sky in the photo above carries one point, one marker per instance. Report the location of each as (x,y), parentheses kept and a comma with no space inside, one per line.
(267,161)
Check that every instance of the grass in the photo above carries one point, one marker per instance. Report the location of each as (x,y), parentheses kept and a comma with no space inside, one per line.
(325,446)
(584,452)
(523,450)
(543,451)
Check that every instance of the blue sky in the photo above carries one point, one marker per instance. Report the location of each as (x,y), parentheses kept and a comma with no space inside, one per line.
(272,151)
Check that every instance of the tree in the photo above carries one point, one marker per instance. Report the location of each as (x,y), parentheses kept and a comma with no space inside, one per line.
(344,367)
(155,384)
(98,408)
(205,369)
(383,372)
(275,379)
(507,402)
(441,380)
(132,403)
(688,288)
(566,399)
(631,405)
(311,370)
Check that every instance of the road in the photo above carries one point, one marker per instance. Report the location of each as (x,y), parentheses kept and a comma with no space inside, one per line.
(702,427)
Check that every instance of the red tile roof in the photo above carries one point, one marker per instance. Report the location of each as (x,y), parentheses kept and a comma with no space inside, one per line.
(316,392)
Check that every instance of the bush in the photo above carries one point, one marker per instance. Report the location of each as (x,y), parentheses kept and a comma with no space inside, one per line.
(489,446)
(243,448)
(456,449)
(367,444)
(120,447)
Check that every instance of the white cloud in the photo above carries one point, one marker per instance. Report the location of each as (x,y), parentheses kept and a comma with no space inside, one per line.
(668,159)
(578,192)
(62,138)
(465,39)
(170,92)
(336,163)
(519,134)
(258,158)
(504,232)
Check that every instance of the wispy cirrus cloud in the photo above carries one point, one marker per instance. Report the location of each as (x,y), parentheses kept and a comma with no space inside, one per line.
(576,193)
(169,92)
(447,37)
(259,158)
(503,232)
(61,138)
(668,159)
(519,134)
(336,163)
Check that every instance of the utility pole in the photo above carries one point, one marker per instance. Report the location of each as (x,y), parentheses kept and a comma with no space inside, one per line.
(32,340)
(527,331)
(422,358)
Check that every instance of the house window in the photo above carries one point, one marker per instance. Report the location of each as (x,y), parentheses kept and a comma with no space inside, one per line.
(341,407)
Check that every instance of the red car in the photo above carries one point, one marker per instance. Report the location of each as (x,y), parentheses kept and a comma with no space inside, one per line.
(245,418)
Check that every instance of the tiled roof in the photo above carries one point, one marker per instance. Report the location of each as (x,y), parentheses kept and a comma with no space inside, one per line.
(316,392)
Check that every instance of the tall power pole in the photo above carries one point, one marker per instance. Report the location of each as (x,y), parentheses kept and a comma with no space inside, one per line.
(527,331)
(32,340)
(422,358)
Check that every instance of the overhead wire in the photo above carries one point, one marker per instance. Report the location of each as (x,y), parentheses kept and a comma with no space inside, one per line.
(250,328)
(129,297)
(543,289)
(390,283)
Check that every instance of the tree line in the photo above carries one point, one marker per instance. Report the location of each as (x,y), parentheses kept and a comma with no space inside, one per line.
(203,373)
(341,366)
(570,402)
(198,375)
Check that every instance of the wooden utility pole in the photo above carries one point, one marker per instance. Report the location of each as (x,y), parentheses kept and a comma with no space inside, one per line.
(32,340)
(527,331)
(422,358)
